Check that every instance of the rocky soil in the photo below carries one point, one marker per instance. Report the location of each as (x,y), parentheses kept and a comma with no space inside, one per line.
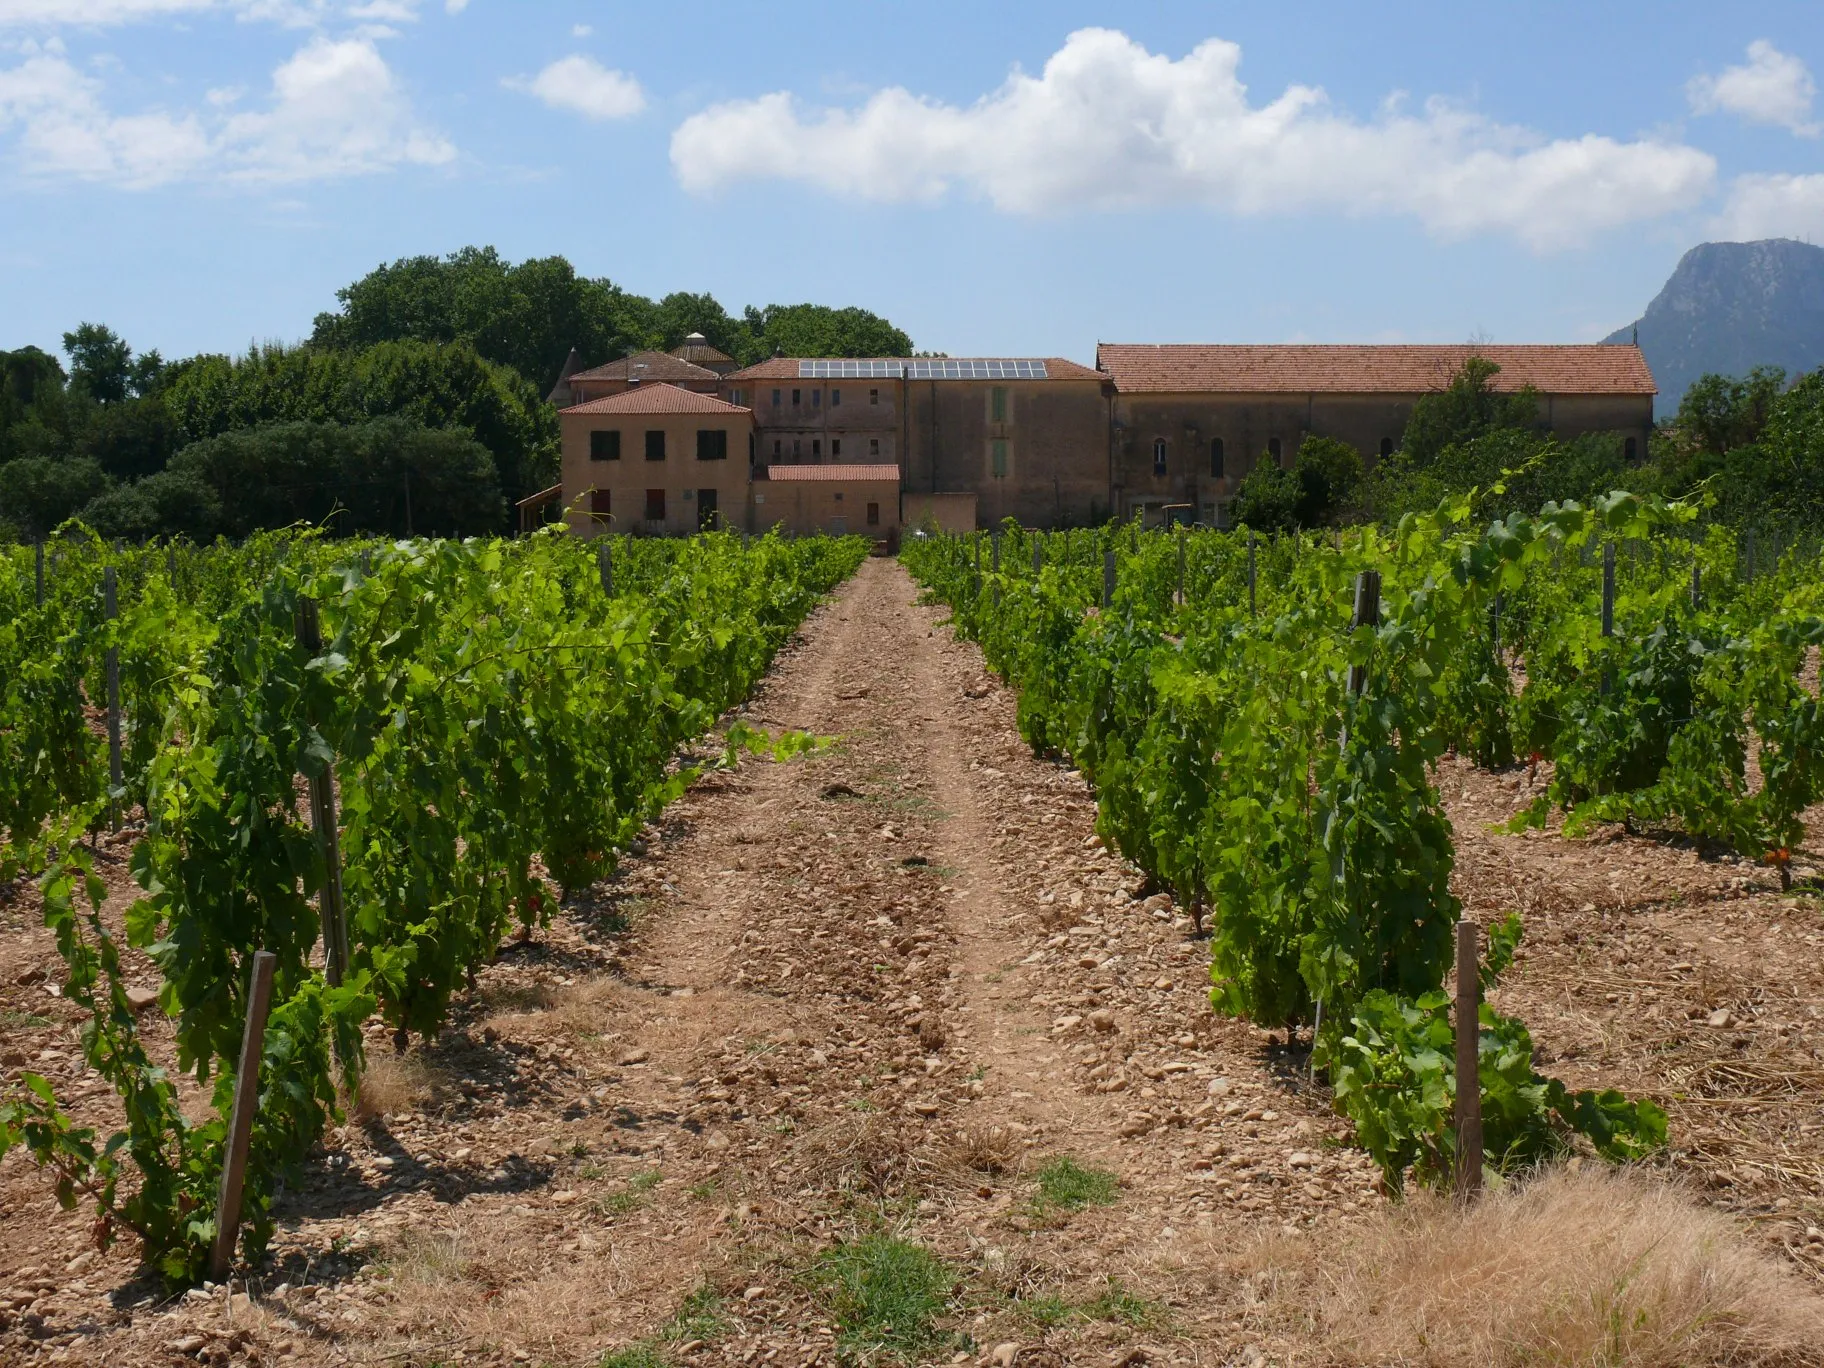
(885,989)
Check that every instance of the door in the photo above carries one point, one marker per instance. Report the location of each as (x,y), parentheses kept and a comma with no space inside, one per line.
(706,510)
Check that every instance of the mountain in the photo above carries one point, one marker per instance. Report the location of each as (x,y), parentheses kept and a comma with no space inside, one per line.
(1731,306)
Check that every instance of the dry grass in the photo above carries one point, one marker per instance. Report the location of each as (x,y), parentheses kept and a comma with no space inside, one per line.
(1586,1269)
(393,1084)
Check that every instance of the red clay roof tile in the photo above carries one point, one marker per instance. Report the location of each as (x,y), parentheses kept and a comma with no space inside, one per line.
(657,398)
(1589,368)
(833,472)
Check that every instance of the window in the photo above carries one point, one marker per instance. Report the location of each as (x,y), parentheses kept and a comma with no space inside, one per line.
(873,396)
(835,447)
(752,448)
(1273,447)
(816,398)
(1216,470)
(734,396)
(797,398)
(873,515)
(835,398)
(1386,447)
(655,444)
(797,448)
(1159,456)
(873,446)
(837,496)
(712,444)
(997,458)
(655,505)
(601,504)
(1629,448)
(816,448)
(997,404)
(778,446)
(775,398)
(605,446)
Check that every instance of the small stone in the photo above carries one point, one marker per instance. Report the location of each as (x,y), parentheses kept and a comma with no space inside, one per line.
(1720,1017)
(1102,1019)
(753,1294)
(1300,1159)
(139,999)
(1004,1354)
(1137,1124)
(188,1345)
(632,1057)
(30,976)
(1219,1087)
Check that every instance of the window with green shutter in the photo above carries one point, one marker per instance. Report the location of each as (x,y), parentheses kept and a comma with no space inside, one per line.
(997,403)
(997,456)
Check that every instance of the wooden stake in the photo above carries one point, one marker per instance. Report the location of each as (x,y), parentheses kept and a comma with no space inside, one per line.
(240,1122)
(38,548)
(1608,607)
(994,558)
(323,822)
(1367,614)
(1469,1067)
(1181,535)
(110,608)
(1108,578)
(1697,585)
(1038,554)
(604,559)
(1253,610)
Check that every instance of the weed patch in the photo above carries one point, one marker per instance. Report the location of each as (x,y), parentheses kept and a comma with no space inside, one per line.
(886,1295)
(1070,1186)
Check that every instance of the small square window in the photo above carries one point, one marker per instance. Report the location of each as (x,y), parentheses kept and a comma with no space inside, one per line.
(797,397)
(835,447)
(835,398)
(873,446)
(775,398)
(838,496)
(873,515)
(601,502)
(655,444)
(873,396)
(712,444)
(605,446)
(655,505)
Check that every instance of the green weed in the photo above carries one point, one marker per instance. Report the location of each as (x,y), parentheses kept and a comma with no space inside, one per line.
(885,1294)
(1063,1182)
(700,1318)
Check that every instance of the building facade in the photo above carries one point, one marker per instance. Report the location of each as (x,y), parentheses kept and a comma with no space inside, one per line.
(656,459)
(1189,422)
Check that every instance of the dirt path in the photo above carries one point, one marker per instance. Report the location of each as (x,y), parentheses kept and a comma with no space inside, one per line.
(882,992)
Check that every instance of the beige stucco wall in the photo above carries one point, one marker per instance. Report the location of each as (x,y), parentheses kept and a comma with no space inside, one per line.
(953,512)
(681,475)
(830,506)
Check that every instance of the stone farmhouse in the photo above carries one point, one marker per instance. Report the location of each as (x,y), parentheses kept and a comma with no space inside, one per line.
(665,442)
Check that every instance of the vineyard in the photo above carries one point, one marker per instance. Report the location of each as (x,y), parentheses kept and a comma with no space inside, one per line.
(1260,722)
(480,727)
(589,1038)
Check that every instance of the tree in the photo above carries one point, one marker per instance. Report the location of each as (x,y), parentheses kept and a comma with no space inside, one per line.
(1720,413)
(1318,488)
(39,492)
(101,363)
(1466,409)
(171,503)
(434,386)
(817,330)
(389,476)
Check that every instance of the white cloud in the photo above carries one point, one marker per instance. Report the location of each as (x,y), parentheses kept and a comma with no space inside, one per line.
(1773,87)
(582,30)
(1109,125)
(584,86)
(455,6)
(335,110)
(1766,206)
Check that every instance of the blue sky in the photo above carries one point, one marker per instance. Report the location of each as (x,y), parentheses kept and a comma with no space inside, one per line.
(997,178)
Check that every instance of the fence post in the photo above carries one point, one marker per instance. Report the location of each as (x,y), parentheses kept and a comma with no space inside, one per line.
(38,548)
(1608,608)
(1469,1068)
(1252,610)
(994,548)
(323,823)
(1108,578)
(1494,620)
(240,1122)
(1181,536)
(110,608)
(1367,614)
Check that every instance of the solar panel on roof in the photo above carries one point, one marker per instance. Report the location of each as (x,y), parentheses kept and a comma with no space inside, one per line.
(850,369)
(979,368)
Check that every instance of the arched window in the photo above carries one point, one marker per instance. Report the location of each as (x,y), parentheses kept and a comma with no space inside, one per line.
(1386,446)
(1216,470)
(1159,456)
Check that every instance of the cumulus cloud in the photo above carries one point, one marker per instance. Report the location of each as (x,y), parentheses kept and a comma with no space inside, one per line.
(1772,87)
(1109,125)
(584,86)
(1767,206)
(334,110)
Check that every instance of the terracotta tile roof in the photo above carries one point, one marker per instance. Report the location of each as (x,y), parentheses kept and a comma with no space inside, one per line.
(1590,368)
(786,368)
(648,366)
(833,472)
(657,398)
(700,353)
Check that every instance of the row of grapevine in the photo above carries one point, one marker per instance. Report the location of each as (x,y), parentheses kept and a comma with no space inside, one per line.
(1209,701)
(495,718)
